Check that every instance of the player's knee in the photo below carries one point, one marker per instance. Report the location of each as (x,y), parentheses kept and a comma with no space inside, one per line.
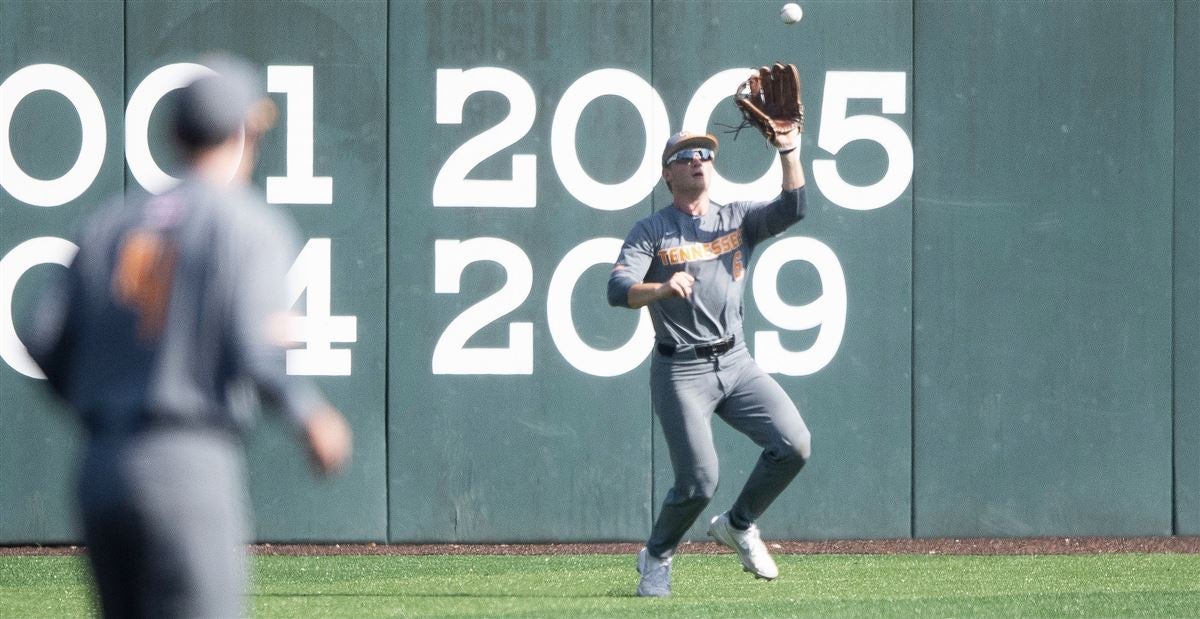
(698,488)
(794,450)
(706,490)
(803,445)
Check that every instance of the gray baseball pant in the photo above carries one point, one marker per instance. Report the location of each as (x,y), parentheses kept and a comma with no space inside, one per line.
(165,522)
(685,393)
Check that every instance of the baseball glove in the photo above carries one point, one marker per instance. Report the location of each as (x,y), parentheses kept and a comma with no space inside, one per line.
(770,101)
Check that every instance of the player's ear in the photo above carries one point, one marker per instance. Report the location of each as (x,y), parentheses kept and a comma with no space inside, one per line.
(261,116)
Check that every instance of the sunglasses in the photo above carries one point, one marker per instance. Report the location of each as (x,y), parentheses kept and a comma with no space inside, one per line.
(706,154)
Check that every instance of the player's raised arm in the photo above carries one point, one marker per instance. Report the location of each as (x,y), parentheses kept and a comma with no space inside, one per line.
(771,101)
(789,158)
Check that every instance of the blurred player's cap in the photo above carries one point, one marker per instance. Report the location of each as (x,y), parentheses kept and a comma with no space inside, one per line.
(687,139)
(214,107)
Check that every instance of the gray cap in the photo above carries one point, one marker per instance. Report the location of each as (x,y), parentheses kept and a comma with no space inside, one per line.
(687,139)
(214,107)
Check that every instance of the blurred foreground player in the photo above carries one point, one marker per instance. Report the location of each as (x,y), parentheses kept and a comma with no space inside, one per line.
(172,309)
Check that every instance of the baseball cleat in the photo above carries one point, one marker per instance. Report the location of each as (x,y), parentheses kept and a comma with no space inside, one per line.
(749,545)
(656,575)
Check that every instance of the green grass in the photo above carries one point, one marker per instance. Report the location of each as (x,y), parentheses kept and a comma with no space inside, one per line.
(1120,585)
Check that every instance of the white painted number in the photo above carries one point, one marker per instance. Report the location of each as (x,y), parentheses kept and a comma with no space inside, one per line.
(562,325)
(827,311)
(79,93)
(649,106)
(40,250)
(137,122)
(838,130)
(452,187)
(299,186)
(451,355)
(317,329)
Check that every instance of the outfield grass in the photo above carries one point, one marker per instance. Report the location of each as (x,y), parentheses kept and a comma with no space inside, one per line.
(1119,585)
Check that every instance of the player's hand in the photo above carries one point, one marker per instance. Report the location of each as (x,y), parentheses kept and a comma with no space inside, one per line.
(329,440)
(680,285)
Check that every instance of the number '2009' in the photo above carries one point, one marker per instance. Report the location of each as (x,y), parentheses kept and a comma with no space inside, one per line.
(452,188)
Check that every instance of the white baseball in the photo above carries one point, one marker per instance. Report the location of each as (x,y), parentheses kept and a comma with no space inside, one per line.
(791,13)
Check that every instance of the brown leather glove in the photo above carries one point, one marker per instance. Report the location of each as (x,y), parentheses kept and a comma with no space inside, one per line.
(770,101)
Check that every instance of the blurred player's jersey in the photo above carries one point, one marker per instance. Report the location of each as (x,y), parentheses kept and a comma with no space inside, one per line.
(163,317)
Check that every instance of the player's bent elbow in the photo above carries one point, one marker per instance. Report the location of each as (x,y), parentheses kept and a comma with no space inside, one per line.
(618,293)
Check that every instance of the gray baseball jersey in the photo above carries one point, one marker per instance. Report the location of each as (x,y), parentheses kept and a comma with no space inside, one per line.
(715,249)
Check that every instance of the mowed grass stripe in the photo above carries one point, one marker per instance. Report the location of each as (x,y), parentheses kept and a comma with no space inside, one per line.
(1115,585)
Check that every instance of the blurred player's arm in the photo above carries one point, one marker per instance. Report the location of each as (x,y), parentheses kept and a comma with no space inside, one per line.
(260,319)
(49,332)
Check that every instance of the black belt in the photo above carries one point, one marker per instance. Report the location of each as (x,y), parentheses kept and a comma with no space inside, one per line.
(703,351)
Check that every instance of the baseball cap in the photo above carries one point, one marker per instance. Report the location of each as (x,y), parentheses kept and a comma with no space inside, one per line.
(212,108)
(687,139)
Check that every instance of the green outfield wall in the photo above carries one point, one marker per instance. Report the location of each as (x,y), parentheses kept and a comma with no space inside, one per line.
(1187,269)
(990,318)
(1043,269)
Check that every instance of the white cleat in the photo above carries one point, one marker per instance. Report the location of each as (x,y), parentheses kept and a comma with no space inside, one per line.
(656,575)
(748,544)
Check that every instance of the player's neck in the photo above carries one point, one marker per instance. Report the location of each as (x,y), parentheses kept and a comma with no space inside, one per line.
(692,204)
(222,164)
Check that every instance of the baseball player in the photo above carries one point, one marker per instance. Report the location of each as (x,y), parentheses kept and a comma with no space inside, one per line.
(687,263)
(170,308)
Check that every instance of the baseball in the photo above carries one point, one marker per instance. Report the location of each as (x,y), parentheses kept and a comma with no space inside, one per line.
(791,13)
